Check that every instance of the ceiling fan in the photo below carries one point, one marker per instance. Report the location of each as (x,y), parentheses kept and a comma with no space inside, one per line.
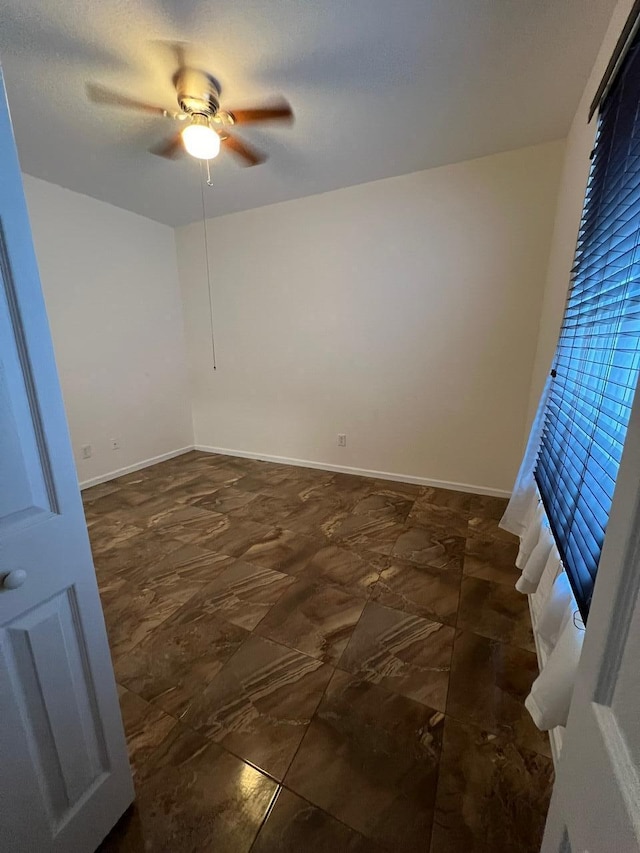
(206,124)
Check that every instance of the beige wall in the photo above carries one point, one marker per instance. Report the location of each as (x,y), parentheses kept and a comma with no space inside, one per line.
(110,284)
(403,313)
(407,313)
(575,171)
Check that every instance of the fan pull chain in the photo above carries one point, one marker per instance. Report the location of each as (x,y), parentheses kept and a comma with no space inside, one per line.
(206,253)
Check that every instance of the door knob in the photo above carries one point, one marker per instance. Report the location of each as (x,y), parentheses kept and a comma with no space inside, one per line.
(14,579)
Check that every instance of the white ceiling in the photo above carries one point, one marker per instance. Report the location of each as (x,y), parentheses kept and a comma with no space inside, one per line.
(379,88)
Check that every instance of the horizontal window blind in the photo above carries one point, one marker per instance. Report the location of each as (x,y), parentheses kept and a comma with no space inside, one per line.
(598,356)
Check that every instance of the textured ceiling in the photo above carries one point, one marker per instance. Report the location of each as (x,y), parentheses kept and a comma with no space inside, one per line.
(379,88)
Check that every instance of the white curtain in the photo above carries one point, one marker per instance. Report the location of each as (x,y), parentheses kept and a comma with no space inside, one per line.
(525,492)
(525,516)
(538,558)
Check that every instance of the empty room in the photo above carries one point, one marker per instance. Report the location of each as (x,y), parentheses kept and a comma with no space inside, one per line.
(319,455)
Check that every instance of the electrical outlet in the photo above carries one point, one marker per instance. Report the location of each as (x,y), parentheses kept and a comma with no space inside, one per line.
(342,439)
(86,451)
(115,444)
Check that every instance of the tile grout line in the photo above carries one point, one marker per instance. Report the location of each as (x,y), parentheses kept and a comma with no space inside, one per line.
(283,787)
(266,815)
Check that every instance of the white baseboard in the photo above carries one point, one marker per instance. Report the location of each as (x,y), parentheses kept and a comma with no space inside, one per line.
(302,463)
(555,735)
(137,466)
(344,469)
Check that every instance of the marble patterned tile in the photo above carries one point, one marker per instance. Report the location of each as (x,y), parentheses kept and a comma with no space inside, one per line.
(306,485)
(101,490)
(348,489)
(186,523)
(127,836)
(497,611)
(332,569)
(320,489)
(176,574)
(145,727)
(175,661)
(489,528)
(396,487)
(458,501)
(145,549)
(370,759)
(487,688)
(191,564)
(384,503)
(403,653)
(110,529)
(260,704)
(344,567)
(164,479)
(484,506)
(264,479)
(110,585)
(492,795)
(313,618)
(131,613)
(244,593)
(429,547)
(203,486)
(491,560)
(201,479)
(284,550)
(368,531)
(90,515)
(268,509)
(143,514)
(196,797)
(235,536)
(137,479)
(430,515)
(227,499)
(185,483)
(117,499)
(421,590)
(315,517)
(294,825)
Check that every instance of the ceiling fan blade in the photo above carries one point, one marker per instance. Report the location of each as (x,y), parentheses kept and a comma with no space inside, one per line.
(170,148)
(102,95)
(280,111)
(249,155)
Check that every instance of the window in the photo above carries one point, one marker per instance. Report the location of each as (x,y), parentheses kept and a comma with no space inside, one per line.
(598,356)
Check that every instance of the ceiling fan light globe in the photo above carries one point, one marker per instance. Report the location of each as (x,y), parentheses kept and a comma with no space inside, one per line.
(201,141)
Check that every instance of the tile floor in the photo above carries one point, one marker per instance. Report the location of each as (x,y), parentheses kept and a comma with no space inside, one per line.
(311,661)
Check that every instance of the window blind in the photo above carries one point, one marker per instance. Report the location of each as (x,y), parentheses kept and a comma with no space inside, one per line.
(596,365)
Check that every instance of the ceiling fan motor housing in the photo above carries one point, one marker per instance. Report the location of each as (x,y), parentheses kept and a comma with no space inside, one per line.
(197,92)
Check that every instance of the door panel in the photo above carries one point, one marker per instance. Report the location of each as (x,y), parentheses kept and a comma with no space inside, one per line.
(23,451)
(65,776)
(50,678)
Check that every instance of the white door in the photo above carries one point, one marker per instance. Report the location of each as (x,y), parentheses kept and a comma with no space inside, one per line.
(64,773)
(596,800)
